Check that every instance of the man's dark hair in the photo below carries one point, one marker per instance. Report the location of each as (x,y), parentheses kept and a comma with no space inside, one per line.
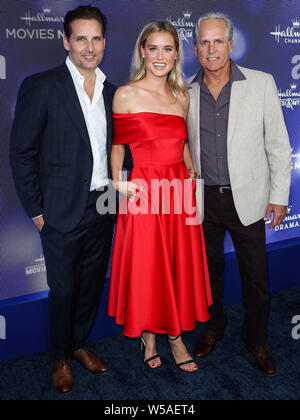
(83,12)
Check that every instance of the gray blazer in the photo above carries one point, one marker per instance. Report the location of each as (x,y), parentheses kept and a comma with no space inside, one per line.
(259,151)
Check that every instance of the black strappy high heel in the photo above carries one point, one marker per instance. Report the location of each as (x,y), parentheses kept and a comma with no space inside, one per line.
(187,361)
(156,356)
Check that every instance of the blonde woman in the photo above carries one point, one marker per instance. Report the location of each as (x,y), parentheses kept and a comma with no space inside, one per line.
(159,276)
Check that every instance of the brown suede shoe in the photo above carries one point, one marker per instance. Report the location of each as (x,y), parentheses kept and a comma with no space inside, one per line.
(62,376)
(206,345)
(264,361)
(91,361)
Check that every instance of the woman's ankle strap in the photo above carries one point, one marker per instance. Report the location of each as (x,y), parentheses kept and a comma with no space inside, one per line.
(174,339)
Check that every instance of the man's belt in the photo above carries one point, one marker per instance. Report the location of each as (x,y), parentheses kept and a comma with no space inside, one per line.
(223,189)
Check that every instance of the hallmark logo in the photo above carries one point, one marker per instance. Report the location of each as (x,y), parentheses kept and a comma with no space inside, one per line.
(38,268)
(184,26)
(293,86)
(29,32)
(290,34)
(290,97)
(187,14)
(41,17)
(2,67)
(296,23)
(2,328)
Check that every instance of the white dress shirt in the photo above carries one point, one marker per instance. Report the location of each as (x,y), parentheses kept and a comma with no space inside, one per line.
(95,119)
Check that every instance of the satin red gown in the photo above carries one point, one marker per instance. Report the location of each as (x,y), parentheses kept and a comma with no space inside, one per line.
(159,275)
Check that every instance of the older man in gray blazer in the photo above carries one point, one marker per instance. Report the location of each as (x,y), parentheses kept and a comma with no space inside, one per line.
(240,147)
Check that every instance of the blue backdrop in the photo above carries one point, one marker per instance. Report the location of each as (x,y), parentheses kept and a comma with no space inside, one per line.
(266,37)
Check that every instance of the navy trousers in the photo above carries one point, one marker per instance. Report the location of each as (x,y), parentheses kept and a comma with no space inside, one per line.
(76,264)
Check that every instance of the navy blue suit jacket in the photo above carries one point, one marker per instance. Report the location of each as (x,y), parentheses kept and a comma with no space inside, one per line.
(50,151)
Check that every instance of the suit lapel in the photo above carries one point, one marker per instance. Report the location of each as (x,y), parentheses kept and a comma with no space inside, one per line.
(194,119)
(70,102)
(107,96)
(237,97)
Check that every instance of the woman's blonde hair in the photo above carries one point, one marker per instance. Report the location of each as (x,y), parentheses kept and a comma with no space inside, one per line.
(138,71)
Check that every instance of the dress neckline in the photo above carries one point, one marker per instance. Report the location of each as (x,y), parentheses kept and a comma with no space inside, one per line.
(148,112)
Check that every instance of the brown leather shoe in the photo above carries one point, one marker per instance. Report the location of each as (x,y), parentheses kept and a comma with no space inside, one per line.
(91,361)
(264,361)
(206,345)
(62,376)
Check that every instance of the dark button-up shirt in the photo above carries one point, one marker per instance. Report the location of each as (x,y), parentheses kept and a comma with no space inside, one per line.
(213,129)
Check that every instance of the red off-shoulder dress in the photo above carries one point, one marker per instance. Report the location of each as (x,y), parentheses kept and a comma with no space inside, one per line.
(159,275)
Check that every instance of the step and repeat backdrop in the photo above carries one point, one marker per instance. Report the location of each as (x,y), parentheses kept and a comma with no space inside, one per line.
(266,37)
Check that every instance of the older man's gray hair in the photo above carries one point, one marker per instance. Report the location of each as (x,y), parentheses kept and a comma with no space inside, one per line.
(215,15)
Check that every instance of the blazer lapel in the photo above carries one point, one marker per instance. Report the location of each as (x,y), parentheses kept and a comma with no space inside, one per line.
(237,97)
(194,122)
(70,102)
(107,97)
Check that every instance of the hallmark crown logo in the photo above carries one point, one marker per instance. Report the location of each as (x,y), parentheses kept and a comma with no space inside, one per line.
(290,34)
(41,17)
(187,14)
(296,23)
(289,98)
(184,25)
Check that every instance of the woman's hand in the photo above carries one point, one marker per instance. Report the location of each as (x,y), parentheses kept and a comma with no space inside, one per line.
(189,162)
(192,174)
(128,188)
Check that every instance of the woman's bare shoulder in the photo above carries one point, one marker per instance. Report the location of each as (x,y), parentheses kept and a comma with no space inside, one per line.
(122,99)
(124,92)
(127,97)
(184,99)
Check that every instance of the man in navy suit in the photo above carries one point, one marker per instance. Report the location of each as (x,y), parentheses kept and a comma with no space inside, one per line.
(60,148)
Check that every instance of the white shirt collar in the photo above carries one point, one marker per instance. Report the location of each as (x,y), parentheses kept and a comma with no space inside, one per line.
(76,75)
